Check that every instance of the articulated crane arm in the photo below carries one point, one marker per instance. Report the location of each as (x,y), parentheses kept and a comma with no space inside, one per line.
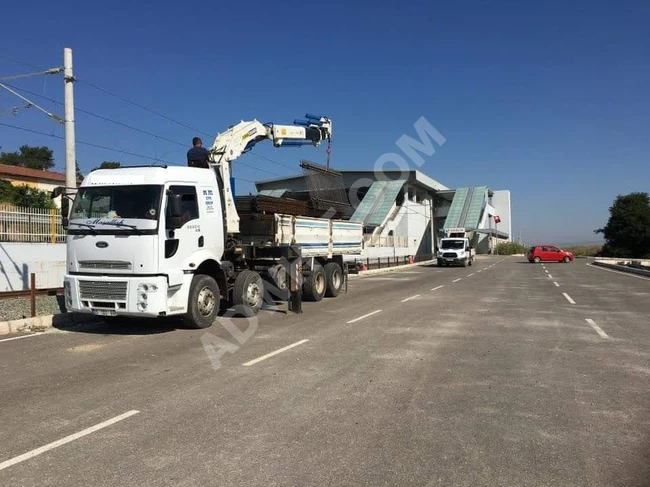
(241,138)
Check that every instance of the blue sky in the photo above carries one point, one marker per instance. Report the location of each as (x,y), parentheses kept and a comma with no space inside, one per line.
(549,100)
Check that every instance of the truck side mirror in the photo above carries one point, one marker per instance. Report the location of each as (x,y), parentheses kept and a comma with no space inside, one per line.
(65,211)
(175,211)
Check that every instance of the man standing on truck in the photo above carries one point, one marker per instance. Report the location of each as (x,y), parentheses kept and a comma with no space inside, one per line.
(197,156)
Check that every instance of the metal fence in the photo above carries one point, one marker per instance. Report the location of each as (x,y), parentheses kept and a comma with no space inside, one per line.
(383,262)
(34,225)
(370,240)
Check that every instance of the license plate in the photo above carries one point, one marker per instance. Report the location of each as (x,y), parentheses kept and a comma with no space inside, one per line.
(104,312)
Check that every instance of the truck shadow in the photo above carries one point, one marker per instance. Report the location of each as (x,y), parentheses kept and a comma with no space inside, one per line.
(82,323)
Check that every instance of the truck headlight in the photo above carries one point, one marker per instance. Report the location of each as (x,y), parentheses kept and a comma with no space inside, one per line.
(67,293)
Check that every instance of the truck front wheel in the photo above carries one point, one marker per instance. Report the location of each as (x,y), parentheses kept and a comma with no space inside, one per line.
(315,284)
(203,303)
(248,293)
(334,276)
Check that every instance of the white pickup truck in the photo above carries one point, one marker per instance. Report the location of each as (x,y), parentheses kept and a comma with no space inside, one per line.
(455,251)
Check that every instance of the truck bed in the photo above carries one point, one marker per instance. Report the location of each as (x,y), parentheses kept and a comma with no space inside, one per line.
(319,237)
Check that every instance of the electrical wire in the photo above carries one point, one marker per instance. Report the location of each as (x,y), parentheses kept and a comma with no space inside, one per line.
(20,62)
(117,122)
(126,100)
(28,75)
(99,146)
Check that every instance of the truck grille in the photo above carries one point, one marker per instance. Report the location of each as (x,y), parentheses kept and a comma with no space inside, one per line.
(105,264)
(450,254)
(105,290)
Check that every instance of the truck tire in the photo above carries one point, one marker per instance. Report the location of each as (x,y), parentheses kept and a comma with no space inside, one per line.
(470,261)
(248,293)
(440,262)
(203,302)
(315,284)
(334,278)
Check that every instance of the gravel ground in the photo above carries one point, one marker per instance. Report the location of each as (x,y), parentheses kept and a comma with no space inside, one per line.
(17,308)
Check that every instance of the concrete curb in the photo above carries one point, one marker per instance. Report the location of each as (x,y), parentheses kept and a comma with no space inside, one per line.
(621,268)
(41,323)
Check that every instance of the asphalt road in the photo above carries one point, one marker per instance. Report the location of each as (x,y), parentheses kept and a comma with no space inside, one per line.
(503,373)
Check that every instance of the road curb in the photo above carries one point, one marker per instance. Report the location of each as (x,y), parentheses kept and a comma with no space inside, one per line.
(621,268)
(40,323)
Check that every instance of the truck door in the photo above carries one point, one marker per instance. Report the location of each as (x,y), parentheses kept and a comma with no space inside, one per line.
(181,242)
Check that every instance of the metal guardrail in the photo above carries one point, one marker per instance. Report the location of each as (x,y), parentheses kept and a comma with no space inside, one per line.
(31,293)
(385,262)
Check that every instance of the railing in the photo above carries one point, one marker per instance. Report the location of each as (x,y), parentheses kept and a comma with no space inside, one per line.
(18,224)
(370,240)
(384,262)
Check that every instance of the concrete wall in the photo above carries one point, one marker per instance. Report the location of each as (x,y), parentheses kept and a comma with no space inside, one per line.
(19,260)
(501,203)
(414,221)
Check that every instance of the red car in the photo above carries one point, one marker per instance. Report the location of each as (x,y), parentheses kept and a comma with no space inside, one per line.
(548,253)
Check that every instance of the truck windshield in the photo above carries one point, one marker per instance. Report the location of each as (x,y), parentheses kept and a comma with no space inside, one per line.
(117,206)
(452,244)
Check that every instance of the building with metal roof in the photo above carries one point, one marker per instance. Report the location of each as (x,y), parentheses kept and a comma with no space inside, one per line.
(404,212)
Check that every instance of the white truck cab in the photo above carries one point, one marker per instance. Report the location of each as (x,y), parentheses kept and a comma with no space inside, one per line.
(125,252)
(455,250)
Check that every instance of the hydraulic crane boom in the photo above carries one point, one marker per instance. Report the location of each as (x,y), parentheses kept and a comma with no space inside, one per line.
(241,137)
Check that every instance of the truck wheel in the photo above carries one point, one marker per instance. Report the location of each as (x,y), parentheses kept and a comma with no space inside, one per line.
(334,276)
(440,262)
(248,293)
(464,264)
(315,284)
(469,262)
(203,303)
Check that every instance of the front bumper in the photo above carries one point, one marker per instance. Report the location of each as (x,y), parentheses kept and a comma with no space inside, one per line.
(114,296)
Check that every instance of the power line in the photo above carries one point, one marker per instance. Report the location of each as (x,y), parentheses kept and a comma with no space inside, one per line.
(273,161)
(20,62)
(117,122)
(99,146)
(90,144)
(28,75)
(126,100)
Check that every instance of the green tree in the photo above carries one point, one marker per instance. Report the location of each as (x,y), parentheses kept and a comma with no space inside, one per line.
(6,192)
(31,157)
(80,176)
(109,165)
(627,233)
(31,198)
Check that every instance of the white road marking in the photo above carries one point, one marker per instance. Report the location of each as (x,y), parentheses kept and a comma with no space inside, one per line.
(550,276)
(63,441)
(556,284)
(456,280)
(18,338)
(470,275)
(412,297)
(268,355)
(364,316)
(546,270)
(596,327)
(479,271)
(568,298)
(620,273)
(407,272)
(436,288)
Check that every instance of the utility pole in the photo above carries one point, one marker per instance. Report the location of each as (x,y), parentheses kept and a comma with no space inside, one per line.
(68,99)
